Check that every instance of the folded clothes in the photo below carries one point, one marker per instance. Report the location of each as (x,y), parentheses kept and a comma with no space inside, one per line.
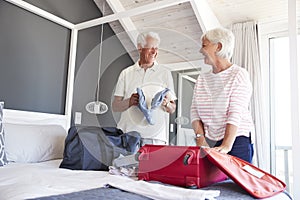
(123,171)
(156,102)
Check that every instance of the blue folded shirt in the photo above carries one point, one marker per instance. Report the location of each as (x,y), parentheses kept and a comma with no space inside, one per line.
(158,98)
(156,101)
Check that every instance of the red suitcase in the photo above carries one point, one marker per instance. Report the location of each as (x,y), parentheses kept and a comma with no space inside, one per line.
(177,165)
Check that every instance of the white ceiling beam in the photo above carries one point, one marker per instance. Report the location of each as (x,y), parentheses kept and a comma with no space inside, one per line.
(42,13)
(196,64)
(126,23)
(129,13)
(205,15)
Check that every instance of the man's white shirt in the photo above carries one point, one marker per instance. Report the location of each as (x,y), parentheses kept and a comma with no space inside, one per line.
(151,81)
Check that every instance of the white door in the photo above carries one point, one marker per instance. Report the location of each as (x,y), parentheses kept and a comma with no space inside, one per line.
(185,133)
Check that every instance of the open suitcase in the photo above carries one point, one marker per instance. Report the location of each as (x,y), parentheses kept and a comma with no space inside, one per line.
(185,166)
(195,167)
(255,181)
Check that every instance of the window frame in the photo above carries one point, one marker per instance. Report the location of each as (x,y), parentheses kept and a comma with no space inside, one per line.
(268,31)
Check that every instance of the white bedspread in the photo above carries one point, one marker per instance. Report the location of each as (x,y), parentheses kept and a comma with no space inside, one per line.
(21,181)
(163,192)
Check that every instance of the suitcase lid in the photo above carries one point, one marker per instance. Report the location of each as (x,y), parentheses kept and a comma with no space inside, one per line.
(255,181)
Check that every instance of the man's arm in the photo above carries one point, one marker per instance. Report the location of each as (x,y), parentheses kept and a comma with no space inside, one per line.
(120,105)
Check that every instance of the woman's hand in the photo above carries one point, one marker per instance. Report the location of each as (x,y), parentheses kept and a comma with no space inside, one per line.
(223,149)
(228,140)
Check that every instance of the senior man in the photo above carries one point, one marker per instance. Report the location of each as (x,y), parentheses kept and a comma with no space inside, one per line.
(151,77)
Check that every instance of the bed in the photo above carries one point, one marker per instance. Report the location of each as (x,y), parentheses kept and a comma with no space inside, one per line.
(45,180)
(34,150)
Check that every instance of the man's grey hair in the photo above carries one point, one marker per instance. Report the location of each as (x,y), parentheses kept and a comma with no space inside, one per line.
(141,39)
(223,36)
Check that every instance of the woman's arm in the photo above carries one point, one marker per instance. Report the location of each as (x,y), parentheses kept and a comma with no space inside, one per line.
(198,129)
(239,103)
(229,138)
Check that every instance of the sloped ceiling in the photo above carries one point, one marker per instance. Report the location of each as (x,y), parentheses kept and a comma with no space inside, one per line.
(233,11)
(177,26)
(179,30)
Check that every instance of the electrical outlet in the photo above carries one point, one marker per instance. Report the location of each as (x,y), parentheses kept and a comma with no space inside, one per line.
(77,118)
(171,128)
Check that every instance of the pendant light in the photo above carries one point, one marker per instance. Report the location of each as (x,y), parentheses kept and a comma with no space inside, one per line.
(98,107)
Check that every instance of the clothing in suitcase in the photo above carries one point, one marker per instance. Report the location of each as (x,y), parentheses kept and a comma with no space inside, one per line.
(177,165)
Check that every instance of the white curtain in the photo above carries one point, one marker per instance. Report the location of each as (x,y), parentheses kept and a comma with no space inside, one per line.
(246,54)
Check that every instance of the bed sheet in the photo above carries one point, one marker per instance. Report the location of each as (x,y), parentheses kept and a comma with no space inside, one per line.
(46,180)
(229,191)
(36,180)
(29,180)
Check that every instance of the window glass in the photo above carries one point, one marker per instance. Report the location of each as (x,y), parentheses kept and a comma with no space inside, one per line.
(280,90)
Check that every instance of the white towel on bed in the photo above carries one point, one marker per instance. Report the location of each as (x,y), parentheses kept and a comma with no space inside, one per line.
(162,192)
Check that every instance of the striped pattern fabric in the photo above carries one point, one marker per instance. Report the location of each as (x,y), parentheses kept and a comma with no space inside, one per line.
(221,99)
(3,159)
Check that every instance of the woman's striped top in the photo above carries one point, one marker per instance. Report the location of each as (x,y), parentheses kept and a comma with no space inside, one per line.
(223,98)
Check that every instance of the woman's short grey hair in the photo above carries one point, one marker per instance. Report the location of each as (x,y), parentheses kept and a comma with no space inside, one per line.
(223,36)
(141,39)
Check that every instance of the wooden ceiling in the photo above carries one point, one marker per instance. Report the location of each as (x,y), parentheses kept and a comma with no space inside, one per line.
(180,24)
(177,26)
(263,11)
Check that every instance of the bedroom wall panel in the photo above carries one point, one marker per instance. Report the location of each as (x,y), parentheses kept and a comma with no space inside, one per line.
(24,69)
(74,11)
(115,58)
(33,61)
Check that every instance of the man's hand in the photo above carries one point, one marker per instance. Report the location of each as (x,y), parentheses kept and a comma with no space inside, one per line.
(168,106)
(165,101)
(134,100)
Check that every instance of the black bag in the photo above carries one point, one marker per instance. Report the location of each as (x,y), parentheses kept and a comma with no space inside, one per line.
(94,148)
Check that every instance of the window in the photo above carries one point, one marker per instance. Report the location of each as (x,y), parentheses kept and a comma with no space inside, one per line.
(280,92)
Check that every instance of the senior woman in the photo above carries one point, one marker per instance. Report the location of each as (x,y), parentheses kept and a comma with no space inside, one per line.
(220,107)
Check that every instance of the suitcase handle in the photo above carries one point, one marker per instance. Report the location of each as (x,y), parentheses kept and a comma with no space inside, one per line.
(187,160)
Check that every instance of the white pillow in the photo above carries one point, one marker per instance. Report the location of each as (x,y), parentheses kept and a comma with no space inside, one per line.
(33,143)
